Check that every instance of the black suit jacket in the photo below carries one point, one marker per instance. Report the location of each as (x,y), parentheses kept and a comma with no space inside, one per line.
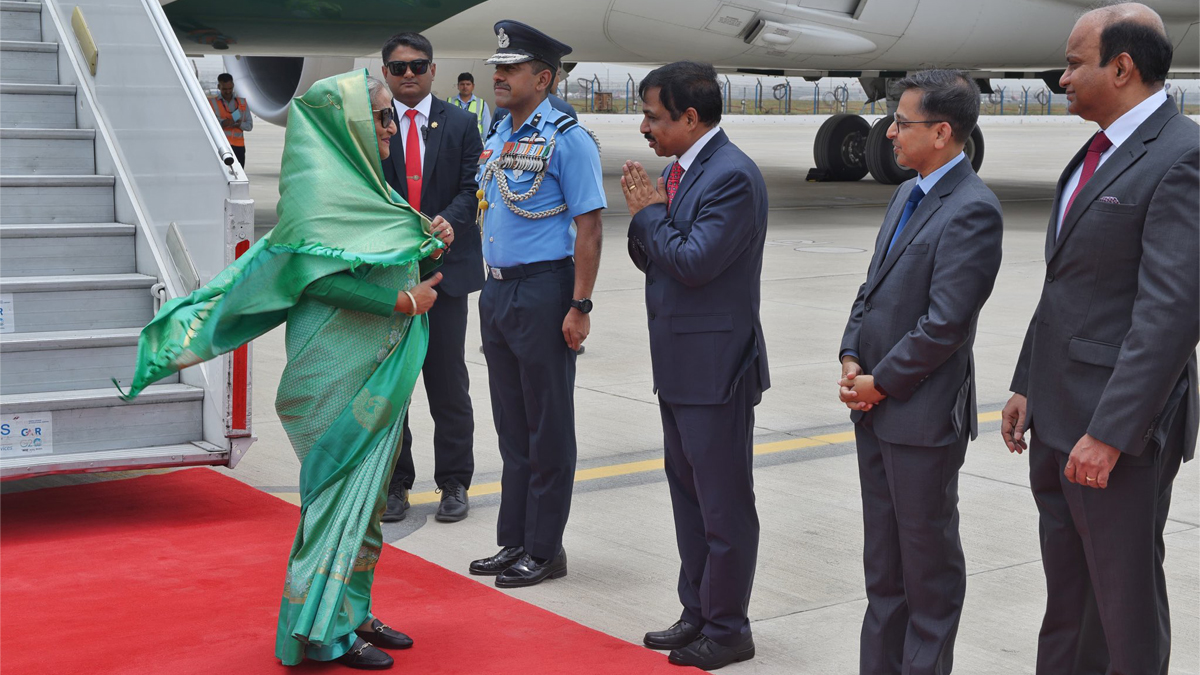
(703,264)
(452,149)
(1110,350)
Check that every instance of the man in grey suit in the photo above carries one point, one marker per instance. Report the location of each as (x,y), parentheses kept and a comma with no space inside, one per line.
(1106,381)
(908,374)
(698,234)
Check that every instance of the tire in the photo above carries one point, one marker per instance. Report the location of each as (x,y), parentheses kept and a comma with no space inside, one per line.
(974,148)
(838,148)
(881,161)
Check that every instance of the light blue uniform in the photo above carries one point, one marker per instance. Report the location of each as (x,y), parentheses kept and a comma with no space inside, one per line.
(572,177)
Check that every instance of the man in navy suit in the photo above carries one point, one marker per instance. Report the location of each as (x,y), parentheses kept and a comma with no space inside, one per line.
(432,165)
(698,234)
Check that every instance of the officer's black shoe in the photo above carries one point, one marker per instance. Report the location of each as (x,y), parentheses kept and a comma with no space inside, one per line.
(530,572)
(365,656)
(489,567)
(385,636)
(454,505)
(705,654)
(679,635)
(397,505)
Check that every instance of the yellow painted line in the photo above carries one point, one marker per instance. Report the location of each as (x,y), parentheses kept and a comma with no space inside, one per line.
(647,465)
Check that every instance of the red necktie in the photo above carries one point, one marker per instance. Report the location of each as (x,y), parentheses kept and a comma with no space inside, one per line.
(1100,143)
(673,181)
(412,161)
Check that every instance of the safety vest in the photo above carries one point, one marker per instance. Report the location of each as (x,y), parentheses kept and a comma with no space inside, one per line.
(220,107)
(475,107)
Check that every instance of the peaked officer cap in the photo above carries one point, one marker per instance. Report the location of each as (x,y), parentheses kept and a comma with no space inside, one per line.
(519,43)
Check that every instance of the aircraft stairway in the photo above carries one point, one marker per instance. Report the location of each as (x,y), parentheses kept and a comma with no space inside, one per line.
(73,296)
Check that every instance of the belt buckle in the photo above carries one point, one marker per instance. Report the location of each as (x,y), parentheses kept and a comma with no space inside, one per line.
(496,273)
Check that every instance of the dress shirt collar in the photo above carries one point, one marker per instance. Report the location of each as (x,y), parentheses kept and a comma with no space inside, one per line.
(545,109)
(928,182)
(1119,131)
(466,102)
(686,159)
(422,108)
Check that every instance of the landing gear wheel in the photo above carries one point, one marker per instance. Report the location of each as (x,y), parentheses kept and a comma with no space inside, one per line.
(880,159)
(838,149)
(974,148)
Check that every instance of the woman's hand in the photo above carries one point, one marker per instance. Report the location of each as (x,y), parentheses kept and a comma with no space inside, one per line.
(423,293)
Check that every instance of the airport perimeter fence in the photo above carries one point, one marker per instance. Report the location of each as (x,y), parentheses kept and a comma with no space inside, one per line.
(795,96)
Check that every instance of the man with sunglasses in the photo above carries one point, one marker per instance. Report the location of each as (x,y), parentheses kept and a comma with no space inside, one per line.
(908,375)
(432,165)
(540,210)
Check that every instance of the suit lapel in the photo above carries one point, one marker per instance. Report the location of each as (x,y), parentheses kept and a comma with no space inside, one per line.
(433,142)
(697,169)
(1118,163)
(1052,232)
(925,210)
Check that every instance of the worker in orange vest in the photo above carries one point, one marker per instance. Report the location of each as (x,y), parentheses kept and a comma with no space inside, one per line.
(235,117)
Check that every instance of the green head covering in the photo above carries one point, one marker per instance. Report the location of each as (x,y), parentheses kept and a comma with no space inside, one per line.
(336,212)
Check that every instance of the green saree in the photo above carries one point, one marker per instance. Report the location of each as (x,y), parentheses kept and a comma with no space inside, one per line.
(349,374)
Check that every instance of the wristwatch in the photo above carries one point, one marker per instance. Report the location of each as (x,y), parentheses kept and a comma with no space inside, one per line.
(584,305)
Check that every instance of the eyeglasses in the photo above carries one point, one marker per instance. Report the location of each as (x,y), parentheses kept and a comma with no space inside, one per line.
(385,116)
(418,67)
(900,123)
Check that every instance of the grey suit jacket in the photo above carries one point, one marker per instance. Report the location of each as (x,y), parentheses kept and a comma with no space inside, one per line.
(913,322)
(703,264)
(1110,350)
(452,149)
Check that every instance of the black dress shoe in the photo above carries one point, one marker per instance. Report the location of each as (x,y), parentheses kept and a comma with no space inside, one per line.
(705,654)
(365,656)
(397,505)
(489,567)
(385,636)
(529,572)
(680,634)
(454,505)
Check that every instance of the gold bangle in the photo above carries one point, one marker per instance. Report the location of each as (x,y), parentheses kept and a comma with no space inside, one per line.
(413,302)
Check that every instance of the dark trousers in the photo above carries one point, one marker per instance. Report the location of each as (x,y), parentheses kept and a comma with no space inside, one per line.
(531,375)
(915,572)
(239,151)
(1102,550)
(448,388)
(709,464)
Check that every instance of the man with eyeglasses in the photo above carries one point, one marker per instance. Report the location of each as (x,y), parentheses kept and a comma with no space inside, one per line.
(432,165)
(908,376)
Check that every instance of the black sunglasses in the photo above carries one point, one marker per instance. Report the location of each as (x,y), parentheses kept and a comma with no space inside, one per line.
(419,67)
(386,116)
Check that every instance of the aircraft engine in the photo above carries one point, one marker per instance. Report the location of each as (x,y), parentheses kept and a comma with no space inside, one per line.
(269,83)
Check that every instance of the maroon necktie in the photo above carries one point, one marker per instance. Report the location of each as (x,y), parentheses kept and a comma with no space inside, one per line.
(673,181)
(1100,143)
(412,161)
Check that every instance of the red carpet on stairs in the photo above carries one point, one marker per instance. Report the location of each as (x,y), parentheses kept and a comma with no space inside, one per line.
(181,573)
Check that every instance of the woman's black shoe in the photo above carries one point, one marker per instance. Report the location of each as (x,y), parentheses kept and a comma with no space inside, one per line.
(385,636)
(365,656)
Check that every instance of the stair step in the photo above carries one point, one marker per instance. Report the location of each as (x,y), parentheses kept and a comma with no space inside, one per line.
(93,420)
(77,302)
(68,360)
(184,454)
(56,199)
(47,151)
(20,21)
(42,249)
(37,106)
(30,62)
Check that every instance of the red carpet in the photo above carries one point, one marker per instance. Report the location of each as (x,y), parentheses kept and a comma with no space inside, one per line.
(181,573)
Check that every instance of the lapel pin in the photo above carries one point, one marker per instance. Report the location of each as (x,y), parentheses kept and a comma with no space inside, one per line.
(434,125)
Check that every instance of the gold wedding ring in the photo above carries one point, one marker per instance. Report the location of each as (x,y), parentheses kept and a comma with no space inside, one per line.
(1089,478)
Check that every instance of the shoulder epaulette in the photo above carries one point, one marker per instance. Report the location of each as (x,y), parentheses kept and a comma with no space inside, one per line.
(565,122)
(495,123)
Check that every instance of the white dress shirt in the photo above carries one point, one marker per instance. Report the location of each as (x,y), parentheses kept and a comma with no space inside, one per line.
(686,159)
(402,122)
(1118,132)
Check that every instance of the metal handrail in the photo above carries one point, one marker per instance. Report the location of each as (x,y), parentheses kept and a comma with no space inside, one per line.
(196,94)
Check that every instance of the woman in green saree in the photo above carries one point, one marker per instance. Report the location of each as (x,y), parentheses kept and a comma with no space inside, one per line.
(345,243)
